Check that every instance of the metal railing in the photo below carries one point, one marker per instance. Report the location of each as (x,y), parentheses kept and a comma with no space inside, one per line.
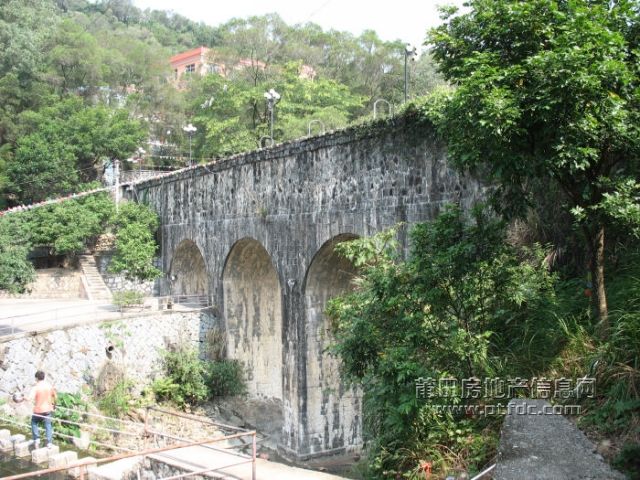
(92,312)
(144,433)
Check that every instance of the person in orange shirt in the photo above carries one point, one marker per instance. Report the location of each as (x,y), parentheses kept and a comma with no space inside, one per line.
(43,396)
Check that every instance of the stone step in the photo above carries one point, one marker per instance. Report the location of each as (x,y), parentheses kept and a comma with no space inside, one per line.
(42,455)
(90,462)
(62,459)
(22,449)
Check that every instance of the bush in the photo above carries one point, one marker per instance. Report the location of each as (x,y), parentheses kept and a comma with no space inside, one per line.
(225,378)
(71,401)
(136,246)
(185,378)
(127,298)
(458,307)
(16,271)
(116,402)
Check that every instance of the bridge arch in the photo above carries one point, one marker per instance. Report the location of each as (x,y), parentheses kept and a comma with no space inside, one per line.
(188,271)
(333,412)
(252,305)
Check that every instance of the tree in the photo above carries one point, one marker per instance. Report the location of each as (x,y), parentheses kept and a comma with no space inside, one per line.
(69,227)
(546,91)
(453,309)
(61,147)
(136,246)
(75,59)
(16,271)
(42,167)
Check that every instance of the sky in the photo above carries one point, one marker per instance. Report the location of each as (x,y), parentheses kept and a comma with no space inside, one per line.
(406,20)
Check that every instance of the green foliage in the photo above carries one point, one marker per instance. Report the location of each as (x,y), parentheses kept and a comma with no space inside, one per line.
(184,383)
(136,246)
(127,298)
(41,168)
(68,227)
(15,269)
(62,145)
(117,401)
(628,460)
(547,91)
(454,308)
(189,380)
(225,378)
(72,401)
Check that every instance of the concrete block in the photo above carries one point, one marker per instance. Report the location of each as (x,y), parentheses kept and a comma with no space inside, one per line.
(4,433)
(41,455)
(22,449)
(62,459)
(6,445)
(90,462)
(17,438)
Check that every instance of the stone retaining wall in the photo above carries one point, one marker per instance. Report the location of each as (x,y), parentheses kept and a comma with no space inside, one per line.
(52,283)
(117,282)
(74,357)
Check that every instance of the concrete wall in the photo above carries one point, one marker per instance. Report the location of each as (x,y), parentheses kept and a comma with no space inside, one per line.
(52,283)
(76,356)
(259,221)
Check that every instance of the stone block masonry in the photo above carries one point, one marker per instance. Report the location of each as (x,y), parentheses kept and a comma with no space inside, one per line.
(256,233)
(76,356)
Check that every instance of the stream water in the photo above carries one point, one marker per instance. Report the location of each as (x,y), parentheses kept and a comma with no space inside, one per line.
(10,465)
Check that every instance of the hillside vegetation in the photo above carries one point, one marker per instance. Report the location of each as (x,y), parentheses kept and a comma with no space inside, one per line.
(84,83)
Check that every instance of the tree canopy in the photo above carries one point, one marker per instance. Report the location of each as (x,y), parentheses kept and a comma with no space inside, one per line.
(546,91)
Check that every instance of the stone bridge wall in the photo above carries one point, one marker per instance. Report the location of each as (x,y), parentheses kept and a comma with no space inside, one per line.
(257,231)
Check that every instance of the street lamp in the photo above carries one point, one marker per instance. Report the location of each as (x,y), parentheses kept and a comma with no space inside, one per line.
(190,130)
(409,51)
(272,98)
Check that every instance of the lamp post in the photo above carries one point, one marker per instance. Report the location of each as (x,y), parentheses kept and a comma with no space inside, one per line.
(190,130)
(272,98)
(409,51)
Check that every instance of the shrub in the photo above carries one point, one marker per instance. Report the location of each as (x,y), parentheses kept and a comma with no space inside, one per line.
(116,402)
(225,378)
(136,246)
(185,378)
(74,402)
(457,307)
(127,298)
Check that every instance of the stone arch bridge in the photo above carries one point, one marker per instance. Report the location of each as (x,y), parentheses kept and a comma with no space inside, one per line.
(257,232)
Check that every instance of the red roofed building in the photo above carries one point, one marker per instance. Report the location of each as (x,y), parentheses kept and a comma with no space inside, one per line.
(200,61)
(189,62)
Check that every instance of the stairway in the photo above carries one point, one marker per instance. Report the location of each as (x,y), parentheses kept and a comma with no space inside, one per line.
(94,284)
(47,457)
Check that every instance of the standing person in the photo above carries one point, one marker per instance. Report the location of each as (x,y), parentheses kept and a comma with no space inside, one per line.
(43,396)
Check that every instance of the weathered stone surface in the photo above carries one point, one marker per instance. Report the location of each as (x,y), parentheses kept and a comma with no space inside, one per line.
(51,283)
(42,455)
(21,449)
(62,459)
(256,232)
(5,434)
(75,356)
(6,445)
(17,438)
(87,462)
(116,470)
(537,443)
